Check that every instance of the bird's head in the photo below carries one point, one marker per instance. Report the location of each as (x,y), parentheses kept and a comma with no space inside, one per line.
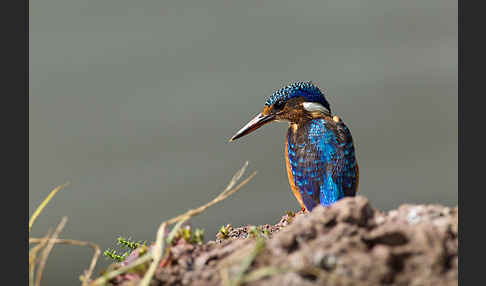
(294,103)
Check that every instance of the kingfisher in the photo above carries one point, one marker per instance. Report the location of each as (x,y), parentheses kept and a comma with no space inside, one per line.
(319,150)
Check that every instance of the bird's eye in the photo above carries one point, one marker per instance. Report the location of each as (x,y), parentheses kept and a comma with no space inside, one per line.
(279,105)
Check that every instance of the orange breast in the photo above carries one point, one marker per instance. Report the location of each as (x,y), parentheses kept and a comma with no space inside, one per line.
(295,189)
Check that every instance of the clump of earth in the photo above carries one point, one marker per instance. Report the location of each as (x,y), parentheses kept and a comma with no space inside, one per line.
(348,243)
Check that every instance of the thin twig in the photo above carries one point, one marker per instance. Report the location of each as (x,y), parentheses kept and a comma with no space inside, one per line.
(236,177)
(44,203)
(96,248)
(219,198)
(47,250)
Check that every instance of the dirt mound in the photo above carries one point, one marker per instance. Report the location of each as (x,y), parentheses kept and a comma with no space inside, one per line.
(349,243)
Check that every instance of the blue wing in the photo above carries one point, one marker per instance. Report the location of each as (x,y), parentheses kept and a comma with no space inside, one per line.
(322,160)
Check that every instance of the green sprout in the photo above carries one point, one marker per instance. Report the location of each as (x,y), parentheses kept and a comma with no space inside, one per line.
(290,213)
(126,244)
(185,233)
(111,253)
(266,232)
(224,231)
(255,232)
(189,236)
(290,216)
(198,236)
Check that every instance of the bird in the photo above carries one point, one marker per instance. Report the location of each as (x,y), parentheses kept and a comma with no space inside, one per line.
(319,152)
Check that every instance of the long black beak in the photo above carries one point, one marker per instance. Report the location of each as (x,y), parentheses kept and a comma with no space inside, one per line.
(258,121)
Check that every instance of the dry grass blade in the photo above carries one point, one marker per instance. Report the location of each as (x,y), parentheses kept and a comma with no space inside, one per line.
(96,248)
(47,250)
(44,203)
(156,255)
(236,177)
(33,255)
(219,198)
(51,241)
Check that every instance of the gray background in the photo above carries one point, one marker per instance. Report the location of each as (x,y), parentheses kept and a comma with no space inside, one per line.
(133,102)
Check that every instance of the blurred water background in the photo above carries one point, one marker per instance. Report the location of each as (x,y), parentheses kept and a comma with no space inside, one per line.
(133,102)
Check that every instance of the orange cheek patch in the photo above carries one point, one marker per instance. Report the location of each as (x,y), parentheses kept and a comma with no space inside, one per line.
(267,110)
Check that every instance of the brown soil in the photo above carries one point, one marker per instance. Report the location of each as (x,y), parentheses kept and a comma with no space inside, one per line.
(349,243)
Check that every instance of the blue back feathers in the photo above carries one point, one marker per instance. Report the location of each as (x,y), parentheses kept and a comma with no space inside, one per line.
(322,160)
(307,90)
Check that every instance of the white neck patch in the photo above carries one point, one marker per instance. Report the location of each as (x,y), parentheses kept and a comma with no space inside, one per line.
(314,106)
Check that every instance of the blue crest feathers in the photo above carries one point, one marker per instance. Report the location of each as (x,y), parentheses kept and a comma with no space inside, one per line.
(307,90)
